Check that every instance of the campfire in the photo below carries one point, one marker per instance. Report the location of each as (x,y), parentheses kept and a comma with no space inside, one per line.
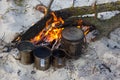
(64,36)
(51,33)
(59,42)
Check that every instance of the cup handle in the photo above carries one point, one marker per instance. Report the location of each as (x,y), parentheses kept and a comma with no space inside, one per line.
(19,57)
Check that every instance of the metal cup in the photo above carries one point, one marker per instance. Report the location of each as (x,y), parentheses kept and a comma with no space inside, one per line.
(72,41)
(58,58)
(25,52)
(42,58)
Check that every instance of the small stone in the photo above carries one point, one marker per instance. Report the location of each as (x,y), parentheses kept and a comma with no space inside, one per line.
(107,45)
(33,72)
(19,71)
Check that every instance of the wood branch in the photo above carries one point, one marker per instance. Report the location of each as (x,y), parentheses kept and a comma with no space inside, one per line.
(67,13)
(89,10)
(42,8)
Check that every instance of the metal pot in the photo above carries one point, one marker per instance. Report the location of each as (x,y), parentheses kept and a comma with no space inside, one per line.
(72,41)
(58,58)
(25,52)
(42,58)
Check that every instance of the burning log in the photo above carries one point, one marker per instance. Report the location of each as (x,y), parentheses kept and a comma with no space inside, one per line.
(36,28)
(51,31)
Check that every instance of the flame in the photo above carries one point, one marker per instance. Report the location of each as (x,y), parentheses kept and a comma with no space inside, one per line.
(79,27)
(51,31)
(85,29)
(86,32)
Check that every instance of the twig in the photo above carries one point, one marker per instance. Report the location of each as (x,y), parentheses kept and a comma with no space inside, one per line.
(93,50)
(41,6)
(3,36)
(73,3)
(53,47)
(2,39)
(95,9)
(49,6)
(94,68)
(40,2)
(59,43)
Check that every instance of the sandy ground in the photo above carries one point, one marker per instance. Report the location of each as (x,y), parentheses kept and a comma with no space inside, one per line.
(101,61)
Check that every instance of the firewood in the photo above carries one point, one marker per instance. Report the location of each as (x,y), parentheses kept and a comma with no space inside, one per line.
(65,14)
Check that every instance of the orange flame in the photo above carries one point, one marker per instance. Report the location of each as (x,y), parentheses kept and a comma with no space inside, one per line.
(86,29)
(51,31)
(86,32)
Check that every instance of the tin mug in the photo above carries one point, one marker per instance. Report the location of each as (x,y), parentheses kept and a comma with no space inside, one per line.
(58,58)
(72,41)
(25,52)
(42,57)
